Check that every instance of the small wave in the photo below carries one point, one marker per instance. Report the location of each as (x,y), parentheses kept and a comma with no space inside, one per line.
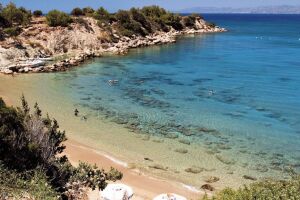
(191,188)
(119,162)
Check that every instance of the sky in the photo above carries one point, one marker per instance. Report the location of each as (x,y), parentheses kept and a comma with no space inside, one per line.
(172,5)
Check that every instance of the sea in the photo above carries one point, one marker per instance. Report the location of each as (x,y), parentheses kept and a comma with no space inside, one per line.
(223,105)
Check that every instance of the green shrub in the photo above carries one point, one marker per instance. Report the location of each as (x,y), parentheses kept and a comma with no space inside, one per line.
(153,11)
(77,12)
(188,21)
(210,24)
(172,20)
(37,13)
(127,25)
(12,31)
(58,18)
(88,11)
(268,189)
(101,14)
(16,16)
(138,16)
(15,185)
(3,22)
(31,143)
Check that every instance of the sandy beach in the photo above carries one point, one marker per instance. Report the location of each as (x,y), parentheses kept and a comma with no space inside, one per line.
(144,186)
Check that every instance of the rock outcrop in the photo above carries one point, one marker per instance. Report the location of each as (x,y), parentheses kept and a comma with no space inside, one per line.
(82,40)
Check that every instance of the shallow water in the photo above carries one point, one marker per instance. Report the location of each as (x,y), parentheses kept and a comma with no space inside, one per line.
(225,105)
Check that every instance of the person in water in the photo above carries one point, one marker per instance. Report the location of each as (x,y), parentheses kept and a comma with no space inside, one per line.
(76,112)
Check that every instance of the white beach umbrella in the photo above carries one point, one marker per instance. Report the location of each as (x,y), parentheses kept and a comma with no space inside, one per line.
(116,191)
(169,197)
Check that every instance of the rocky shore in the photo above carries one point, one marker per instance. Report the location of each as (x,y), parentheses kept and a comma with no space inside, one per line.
(60,48)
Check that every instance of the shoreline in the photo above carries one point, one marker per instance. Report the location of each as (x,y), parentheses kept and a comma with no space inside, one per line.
(145,185)
(75,57)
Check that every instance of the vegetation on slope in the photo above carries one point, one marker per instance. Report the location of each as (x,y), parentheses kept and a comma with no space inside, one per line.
(264,190)
(31,161)
(11,18)
(135,21)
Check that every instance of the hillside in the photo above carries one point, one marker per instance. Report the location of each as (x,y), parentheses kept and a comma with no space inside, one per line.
(90,34)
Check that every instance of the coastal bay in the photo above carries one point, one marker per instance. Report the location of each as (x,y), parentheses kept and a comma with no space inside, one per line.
(187,112)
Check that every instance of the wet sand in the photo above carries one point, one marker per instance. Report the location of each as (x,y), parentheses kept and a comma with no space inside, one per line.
(144,186)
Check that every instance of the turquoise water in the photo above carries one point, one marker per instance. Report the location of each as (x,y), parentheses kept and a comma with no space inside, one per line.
(234,94)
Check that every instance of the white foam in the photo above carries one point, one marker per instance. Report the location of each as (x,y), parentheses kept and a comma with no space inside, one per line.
(191,188)
(119,162)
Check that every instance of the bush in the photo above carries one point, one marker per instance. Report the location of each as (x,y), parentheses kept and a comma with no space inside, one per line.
(16,16)
(12,31)
(211,24)
(3,22)
(37,13)
(138,16)
(188,21)
(153,11)
(101,14)
(269,189)
(172,20)
(31,143)
(15,185)
(88,11)
(77,12)
(58,18)
(127,25)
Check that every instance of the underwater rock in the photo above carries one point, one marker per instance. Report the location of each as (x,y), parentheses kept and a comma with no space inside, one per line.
(158,166)
(249,178)
(244,165)
(207,187)
(172,135)
(158,91)
(146,138)
(148,159)
(223,147)
(225,160)
(212,179)
(243,151)
(194,170)
(184,141)
(85,98)
(183,151)
(261,168)
(158,141)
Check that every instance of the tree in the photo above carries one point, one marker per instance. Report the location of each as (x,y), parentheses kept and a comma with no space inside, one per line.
(153,11)
(88,11)
(77,12)
(138,16)
(58,18)
(37,13)
(172,20)
(102,14)
(30,142)
(16,16)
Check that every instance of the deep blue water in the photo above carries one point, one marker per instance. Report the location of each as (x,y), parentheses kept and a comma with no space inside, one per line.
(243,86)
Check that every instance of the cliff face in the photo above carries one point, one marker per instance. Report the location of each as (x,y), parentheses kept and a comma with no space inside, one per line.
(85,34)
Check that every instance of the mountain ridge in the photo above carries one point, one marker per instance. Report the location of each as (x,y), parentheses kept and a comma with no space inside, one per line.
(282,9)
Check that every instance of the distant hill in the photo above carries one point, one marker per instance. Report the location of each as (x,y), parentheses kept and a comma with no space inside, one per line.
(284,9)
